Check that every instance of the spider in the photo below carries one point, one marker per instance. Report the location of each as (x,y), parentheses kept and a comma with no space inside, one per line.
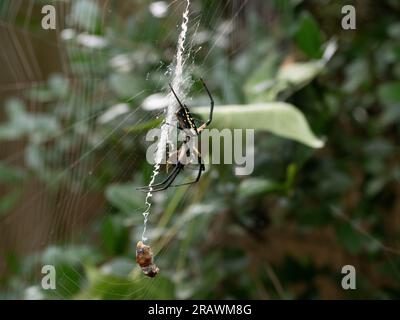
(183,154)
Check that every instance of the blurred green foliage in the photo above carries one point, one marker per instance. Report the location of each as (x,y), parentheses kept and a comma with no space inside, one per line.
(283,232)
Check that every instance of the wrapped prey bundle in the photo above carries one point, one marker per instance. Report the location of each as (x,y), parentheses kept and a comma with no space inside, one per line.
(144,258)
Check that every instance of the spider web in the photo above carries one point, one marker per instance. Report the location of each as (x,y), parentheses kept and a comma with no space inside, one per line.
(47,214)
(179,83)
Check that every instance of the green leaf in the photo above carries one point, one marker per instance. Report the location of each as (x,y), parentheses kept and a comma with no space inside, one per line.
(374,186)
(115,235)
(256,186)
(9,174)
(102,285)
(34,157)
(308,36)
(124,85)
(39,94)
(389,92)
(350,238)
(299,74)
(8,201)
(394,31)
(279,118)
(37,126)
(34,293)
(120,266)
(125,197)
(18,123)
(261,85)
(357,74)
(69,264)
(73,254)
(58,85)
(85,14)
(291,173)
(69,279)
(143,127)
(252,187)
(15,108)
(10,132)
(268,81)
(289,78)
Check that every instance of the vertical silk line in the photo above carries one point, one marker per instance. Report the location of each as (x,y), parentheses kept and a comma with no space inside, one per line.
(170,120)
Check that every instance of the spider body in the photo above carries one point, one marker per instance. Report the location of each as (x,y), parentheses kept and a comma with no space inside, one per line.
(186,121)
(183,156)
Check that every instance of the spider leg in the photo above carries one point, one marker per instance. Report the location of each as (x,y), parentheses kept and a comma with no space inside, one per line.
(171,176)
(211,104)
(164,185)
(201,169)
(170,181)
(162,182)
(187,120)
(172,89)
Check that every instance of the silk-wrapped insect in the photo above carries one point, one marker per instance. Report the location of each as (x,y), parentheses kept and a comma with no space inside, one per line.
(144,258)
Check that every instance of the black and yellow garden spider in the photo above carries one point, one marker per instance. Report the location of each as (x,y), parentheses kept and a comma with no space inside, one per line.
(183,155)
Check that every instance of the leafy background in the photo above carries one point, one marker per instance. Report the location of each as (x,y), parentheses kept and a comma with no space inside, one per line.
(325,189)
